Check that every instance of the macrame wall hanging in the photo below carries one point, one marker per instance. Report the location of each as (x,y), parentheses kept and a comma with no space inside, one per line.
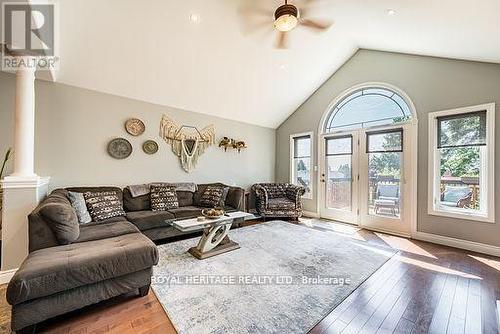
(187,142)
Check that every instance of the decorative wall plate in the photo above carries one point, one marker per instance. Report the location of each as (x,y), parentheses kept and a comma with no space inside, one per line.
(119,148)
(150,147)
(135,126)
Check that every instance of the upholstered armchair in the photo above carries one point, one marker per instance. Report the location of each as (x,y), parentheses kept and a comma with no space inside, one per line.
(278,200)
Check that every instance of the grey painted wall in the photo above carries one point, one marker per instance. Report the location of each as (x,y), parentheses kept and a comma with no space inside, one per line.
(433,84)
(73,127)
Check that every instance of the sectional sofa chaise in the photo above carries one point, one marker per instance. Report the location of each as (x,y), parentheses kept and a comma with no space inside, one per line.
(71,265)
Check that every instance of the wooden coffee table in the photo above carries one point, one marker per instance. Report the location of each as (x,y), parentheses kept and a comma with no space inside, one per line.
(215,239)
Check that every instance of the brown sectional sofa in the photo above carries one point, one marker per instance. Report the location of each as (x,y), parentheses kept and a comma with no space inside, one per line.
(108,258)
(152,223)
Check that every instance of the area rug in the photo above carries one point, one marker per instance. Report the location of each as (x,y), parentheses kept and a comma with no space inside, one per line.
(284,279)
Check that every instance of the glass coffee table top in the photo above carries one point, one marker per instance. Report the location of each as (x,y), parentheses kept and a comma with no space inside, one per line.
(192,224)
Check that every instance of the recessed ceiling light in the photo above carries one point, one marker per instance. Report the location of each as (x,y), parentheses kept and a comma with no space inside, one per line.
(283,66)
(391,12)
(195,18)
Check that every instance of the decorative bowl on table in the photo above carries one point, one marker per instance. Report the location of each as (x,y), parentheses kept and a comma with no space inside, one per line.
(213,213)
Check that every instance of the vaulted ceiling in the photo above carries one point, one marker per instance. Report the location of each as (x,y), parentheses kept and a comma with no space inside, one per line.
(203,56)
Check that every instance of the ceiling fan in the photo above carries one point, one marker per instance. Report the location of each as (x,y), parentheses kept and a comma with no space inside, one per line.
(287,17)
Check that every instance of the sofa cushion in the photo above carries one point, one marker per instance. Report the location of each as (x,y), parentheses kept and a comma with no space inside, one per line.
(281,203)
(55,269)
(38,310)
(145,220)
(62,220)
(186,212)
(212,196)
(101,230)
(139,203)
(163,198)
(185,198)
(103,205)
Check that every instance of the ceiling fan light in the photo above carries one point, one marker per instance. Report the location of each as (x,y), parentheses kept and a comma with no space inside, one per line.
(286,17)
(286,22)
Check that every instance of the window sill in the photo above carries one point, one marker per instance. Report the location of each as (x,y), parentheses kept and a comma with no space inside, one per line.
(461,215)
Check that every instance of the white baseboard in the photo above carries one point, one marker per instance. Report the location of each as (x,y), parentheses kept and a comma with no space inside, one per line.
(6,275)
(434,238)
(310,214)
(381,230)
(458,243)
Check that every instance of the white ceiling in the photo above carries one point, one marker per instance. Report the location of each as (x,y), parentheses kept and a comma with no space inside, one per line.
(152,51)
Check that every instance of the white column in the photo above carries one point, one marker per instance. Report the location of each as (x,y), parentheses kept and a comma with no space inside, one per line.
(24,131)
(23,189)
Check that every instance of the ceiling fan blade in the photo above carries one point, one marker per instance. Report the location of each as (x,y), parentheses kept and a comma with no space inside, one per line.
(281,41)
(317,25)
(255,19)
(308,6)
(257,28)
(255,11)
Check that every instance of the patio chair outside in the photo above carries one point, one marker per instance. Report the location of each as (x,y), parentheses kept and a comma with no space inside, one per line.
(387,196)
(388,192)
(456,196)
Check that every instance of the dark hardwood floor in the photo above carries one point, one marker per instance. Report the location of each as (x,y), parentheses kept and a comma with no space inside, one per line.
(425,288)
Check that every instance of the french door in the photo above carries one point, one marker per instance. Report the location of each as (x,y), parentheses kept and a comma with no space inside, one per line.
(363,176)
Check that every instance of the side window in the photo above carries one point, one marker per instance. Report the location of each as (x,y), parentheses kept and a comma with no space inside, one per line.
(301,148)
(462,165)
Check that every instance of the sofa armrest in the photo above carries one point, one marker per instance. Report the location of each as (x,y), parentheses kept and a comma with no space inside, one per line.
(40,233)
(260,192)
(295,193)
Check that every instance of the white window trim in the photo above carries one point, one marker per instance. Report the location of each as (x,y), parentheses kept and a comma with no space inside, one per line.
(292,137)
(434,172)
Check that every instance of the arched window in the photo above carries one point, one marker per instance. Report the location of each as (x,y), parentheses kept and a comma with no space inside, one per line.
(367,107)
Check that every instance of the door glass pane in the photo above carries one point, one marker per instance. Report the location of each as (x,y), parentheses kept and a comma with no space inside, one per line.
(385,141)
(339,173)
(384,191)
(337,146)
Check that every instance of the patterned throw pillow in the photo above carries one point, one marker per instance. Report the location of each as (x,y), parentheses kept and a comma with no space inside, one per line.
(163,198)
(212,196)
(103,205)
